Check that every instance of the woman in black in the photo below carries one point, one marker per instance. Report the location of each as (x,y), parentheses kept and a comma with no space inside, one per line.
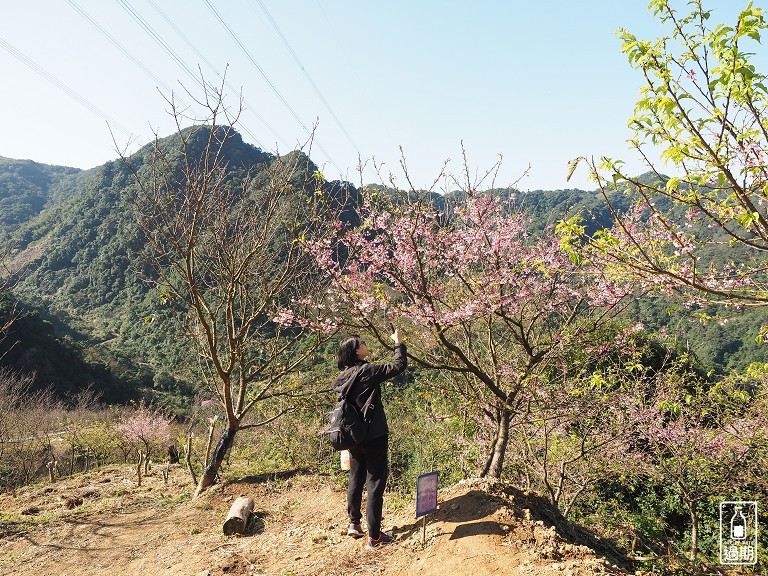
(361,382)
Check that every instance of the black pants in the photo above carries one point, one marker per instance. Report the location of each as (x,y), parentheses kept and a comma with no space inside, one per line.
(368,463)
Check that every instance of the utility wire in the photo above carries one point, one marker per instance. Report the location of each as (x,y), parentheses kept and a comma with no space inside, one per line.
(64,88)
(175,57)
(162,43)
(158,39)
(263,74)
(306,74)
(229,86)
(117,45)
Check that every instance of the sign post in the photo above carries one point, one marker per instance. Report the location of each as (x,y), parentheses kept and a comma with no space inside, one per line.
(426,499)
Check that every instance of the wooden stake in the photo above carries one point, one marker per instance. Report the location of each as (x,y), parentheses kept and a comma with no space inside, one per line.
(211,429)
(188,460)
(142,456)
(424,532)
(52,470)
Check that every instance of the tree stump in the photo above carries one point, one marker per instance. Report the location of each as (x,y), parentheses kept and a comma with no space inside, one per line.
(173,454)
(238,516)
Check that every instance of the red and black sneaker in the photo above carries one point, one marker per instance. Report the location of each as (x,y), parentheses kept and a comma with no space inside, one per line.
(355,530)
(384,538)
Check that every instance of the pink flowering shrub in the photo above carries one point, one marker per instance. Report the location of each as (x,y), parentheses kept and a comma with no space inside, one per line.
(147,429)
(705,442)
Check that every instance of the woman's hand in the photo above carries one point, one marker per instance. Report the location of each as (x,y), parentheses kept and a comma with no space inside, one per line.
(396,337)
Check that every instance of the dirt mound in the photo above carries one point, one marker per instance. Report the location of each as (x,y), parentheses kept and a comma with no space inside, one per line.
(103,523)
(484,527)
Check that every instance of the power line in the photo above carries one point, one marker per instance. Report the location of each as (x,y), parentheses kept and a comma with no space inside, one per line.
(306,74)
(162,43)
(158,39)
(263,74)
(64,88)
(229,86)
(174,56)
(117,44)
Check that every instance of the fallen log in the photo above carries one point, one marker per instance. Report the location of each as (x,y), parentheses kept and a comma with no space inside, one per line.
(238,516)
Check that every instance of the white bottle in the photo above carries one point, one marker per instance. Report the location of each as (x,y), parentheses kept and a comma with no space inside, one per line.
(344,457)
(738,525)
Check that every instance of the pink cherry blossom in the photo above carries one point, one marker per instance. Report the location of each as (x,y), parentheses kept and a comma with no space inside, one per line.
(475,289)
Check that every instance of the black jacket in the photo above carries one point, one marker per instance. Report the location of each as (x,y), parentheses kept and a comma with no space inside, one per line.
(362,384)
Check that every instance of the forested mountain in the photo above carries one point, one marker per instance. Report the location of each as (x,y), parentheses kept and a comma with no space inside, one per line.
(724,343)
(83,284)
(81,276)
(26,187)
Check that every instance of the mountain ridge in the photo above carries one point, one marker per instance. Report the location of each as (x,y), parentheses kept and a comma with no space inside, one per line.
(81,278)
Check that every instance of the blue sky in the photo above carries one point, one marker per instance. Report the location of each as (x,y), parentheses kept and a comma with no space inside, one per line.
(539,82)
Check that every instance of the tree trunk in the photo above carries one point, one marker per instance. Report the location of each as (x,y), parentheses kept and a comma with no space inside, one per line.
(492,449)
(173,454)
(694,531)
(147,463)
(212,469)
(495,463)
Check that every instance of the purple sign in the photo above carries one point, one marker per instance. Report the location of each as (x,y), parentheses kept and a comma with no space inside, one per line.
(426,494)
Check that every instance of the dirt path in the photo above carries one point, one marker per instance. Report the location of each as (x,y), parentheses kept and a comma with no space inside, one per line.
(103,524)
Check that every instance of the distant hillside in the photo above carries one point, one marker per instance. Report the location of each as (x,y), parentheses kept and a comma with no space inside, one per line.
(27,187)
(64,364)
(80,270)
(77,244)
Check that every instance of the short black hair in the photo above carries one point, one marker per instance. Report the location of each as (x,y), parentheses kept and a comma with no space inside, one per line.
(347,356)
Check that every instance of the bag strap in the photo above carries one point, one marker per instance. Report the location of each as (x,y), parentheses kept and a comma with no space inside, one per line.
(345,392)
(348,387)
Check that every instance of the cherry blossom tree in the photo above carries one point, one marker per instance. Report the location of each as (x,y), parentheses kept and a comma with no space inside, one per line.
(480,295)
(704,231)
(147,429)
(576,433)
(700,233)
